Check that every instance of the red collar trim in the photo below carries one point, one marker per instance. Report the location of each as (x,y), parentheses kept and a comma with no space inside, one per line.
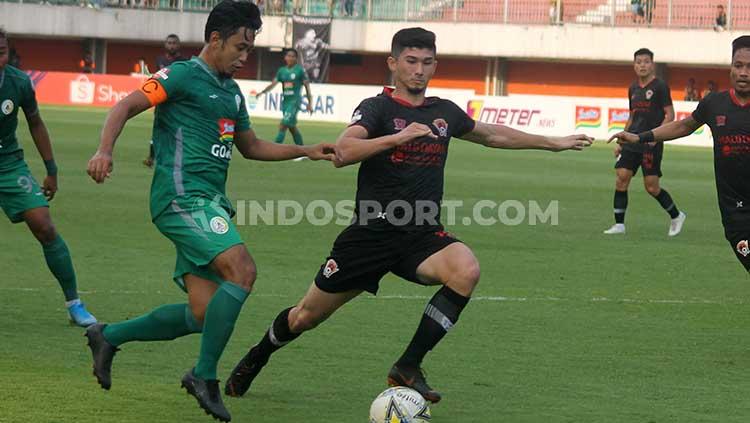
(388,92)
(736,100)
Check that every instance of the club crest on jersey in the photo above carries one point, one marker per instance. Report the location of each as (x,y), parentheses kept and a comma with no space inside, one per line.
(330,268)
(226,130)
(721,120)
(7,107)
(399,124)
(649,94)
(162,74)
(442,127)
(219,225)
(743,248)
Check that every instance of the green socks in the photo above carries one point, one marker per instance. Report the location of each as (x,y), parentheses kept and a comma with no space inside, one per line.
(280,136)
(297,135)
(221,314)
(60,264)
(161,324)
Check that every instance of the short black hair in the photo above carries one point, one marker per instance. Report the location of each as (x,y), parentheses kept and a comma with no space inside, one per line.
(644,52)
(229,16)
(412,38)
(173,36)
(291,50)
(739,43)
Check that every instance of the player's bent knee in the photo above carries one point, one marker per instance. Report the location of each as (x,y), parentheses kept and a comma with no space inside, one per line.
(654,190)
(45,232)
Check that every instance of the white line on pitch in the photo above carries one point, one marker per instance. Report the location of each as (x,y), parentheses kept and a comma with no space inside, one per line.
(426,297)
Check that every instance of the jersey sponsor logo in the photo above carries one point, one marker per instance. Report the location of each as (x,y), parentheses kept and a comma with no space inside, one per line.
(649,94)
(226,130)
(219,225)
(588,117)
(356,117)
(330,268)
(442,126)
(399,124)
(7,107)
(721,120)
(743,248)
(618,118)
(162,74)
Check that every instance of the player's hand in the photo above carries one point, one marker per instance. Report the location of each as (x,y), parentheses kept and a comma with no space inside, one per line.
(322,151)
(618,150)
(49,187)
(100,167)
(415,130)
(572,142)
(624,138)
(258,95)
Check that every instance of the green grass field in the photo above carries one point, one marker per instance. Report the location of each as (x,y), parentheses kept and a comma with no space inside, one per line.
(568,325)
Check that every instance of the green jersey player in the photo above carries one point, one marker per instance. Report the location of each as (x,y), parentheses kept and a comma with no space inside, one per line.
(200,116)
(21,197)
(292,77)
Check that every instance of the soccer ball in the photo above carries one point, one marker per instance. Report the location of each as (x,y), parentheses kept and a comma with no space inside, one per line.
(399,405)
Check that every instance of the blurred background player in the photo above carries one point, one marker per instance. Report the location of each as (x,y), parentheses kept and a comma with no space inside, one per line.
(401,139)
(292,77)
(21,197)
(189,204)
(650,106)
(726,113)
(171,54)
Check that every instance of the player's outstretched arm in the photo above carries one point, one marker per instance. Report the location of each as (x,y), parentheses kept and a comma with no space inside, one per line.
(500,136)
(100,165)
(353,146)
(253,148)
(41,138)
(667,132)
(270,86)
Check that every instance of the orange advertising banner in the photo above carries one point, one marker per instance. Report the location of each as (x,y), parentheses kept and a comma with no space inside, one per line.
(78,89)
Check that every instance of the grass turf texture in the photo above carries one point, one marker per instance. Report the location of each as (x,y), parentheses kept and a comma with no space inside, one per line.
(569,325)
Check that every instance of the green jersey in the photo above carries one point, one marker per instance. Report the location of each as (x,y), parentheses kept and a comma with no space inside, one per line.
(291,80)
(16,91)
(197,115)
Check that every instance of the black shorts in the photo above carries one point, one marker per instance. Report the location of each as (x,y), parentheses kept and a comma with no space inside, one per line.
(649,160)
(740,243)
(361,257)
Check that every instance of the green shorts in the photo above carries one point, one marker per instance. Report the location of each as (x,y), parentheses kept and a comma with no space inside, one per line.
(290,110)
(19,191)
(200,231)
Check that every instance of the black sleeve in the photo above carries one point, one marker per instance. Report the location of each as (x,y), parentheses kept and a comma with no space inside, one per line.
(702,112)
(368,115)
(462,123)
(666,94)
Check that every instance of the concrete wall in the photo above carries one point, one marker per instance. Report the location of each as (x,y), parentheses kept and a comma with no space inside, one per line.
(560,43)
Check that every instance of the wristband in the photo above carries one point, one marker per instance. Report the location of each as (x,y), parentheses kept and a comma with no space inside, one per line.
(645,137)
(51,167)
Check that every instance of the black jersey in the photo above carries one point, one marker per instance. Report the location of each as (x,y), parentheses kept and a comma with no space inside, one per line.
(410,175)
(730,126)
(647,105)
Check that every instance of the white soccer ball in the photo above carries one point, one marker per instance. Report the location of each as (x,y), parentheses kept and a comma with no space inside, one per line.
(399,405)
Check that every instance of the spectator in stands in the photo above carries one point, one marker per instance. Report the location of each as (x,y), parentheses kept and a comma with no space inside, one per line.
(636,8)
(87,64)
(710,88)
(349,7)
(691,93)
(721,19)
(171,52)
(141,67)
(648,10)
